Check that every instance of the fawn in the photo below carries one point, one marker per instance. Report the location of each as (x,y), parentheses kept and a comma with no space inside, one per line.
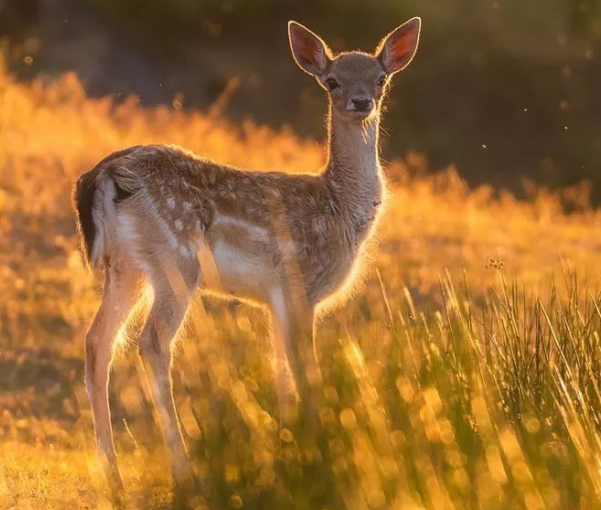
(162,216)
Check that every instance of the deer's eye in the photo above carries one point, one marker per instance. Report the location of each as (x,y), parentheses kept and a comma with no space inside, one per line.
(332,84)
(382,81)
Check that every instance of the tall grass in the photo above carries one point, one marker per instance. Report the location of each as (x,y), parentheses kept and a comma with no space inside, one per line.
(464,374)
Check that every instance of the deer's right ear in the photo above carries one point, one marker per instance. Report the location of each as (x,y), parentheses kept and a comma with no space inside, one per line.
(309,51)
(397,49)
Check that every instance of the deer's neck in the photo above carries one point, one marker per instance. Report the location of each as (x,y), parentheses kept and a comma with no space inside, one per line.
(353,169)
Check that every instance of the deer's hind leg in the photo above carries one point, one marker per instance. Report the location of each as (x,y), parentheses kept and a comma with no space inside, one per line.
(173,285)
(122,290)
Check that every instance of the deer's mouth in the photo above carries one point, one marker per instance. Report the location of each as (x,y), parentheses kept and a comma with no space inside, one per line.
(359,115)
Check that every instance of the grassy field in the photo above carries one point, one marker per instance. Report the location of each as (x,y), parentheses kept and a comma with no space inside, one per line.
(465,373)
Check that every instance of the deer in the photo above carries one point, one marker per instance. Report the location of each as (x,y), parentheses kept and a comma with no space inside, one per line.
(162,218)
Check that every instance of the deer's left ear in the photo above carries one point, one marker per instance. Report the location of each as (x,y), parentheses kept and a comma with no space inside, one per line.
(397,49)
(310,52)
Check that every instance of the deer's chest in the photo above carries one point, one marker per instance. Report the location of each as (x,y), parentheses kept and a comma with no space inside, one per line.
(361,223)
(331,260)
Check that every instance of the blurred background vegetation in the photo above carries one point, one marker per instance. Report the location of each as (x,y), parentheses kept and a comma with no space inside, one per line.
(506,90)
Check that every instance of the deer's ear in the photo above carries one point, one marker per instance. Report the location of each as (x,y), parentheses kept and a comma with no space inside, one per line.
(397,49)
(309,51)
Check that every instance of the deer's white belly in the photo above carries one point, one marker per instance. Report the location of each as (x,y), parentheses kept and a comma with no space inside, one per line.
(242,273)
(237,261)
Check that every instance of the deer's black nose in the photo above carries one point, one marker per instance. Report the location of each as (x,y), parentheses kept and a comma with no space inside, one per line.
(362,104)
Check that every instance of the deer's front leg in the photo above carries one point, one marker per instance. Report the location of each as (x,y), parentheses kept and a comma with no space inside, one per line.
(293,328)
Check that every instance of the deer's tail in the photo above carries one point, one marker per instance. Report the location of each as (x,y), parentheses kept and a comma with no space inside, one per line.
(94,197)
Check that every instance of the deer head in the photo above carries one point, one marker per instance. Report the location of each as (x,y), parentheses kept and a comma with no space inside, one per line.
(355,81)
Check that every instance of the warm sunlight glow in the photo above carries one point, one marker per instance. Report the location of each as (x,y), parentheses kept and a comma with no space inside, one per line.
(462,372)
